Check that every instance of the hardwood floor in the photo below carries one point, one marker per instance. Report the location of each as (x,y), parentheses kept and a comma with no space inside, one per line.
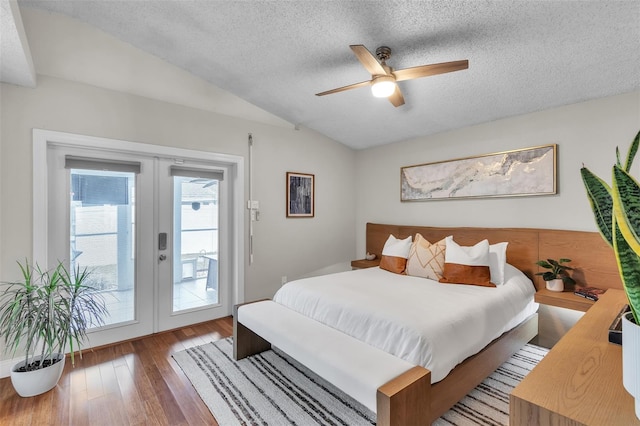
(130,383)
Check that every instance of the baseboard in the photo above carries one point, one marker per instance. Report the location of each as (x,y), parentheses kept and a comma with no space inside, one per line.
(6,365)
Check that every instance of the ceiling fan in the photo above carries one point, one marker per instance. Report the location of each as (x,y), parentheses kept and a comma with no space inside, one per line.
(384,78)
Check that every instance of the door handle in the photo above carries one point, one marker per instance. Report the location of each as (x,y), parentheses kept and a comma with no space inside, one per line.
(162,241)
(162,257)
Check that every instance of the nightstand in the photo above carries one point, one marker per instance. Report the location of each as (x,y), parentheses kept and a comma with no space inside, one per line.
(563,299)
(364,263)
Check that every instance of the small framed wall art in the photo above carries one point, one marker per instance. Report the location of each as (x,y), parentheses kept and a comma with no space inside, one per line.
(300,195)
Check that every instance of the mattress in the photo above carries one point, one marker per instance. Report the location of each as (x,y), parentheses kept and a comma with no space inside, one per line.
(422,321)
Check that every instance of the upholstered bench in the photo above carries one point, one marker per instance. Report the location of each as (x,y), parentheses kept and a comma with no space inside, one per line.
(391,387)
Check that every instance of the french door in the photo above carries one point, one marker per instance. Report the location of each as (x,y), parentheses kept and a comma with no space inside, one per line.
(190,198)
(155,233)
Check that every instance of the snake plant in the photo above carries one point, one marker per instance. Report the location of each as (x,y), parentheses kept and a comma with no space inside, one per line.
(616,209)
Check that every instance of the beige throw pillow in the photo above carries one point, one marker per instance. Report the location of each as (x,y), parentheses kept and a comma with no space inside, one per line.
(425,259)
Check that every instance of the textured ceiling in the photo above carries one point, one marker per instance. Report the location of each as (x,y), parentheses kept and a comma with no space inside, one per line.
(523,56)
(16,66)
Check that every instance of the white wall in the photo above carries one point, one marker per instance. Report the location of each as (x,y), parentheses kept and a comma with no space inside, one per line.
(586,133)
(90,83)
(282,246)
(295,247)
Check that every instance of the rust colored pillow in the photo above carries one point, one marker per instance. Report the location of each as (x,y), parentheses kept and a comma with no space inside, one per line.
(467,265)
(394,254)
(393,264)
(465,274)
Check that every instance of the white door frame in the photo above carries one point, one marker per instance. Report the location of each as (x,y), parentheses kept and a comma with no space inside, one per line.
(42,139)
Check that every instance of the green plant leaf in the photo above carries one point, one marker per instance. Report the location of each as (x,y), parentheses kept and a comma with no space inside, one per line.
(626,206)
(629,267)
(48,310)
(599,195)
(618,162)
(544,264)
(548,276)
(633,150)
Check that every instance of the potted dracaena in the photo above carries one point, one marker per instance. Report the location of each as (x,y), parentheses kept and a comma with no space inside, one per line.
(45,313)
(616,209)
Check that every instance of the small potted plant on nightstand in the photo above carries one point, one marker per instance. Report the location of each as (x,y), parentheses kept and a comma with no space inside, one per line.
(557,276)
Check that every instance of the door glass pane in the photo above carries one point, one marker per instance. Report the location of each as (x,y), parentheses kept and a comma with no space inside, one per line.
(103,236)
(195,240)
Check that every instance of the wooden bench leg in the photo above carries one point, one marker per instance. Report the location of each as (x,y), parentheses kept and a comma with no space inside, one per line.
(405,399)
(245,341)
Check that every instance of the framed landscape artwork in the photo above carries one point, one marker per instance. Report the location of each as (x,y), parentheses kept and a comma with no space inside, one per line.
(300,195)
(528,171)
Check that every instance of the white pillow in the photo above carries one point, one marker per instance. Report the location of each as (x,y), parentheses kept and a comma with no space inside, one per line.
(394,254)
(396,247)
(497,260)
(514,276)
(477,255)
(467,264)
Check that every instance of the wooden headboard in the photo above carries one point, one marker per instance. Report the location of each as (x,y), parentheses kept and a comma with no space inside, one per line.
(592,258)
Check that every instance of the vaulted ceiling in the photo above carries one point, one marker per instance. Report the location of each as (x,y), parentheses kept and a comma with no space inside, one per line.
(524,56)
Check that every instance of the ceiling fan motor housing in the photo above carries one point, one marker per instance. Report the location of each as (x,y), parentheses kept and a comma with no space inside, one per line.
(383,53)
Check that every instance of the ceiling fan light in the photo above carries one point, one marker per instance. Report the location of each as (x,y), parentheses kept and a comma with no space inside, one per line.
(383,86)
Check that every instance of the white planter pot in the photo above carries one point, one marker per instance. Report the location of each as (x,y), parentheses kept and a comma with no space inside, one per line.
(31,383)
(555,285)
(631,358)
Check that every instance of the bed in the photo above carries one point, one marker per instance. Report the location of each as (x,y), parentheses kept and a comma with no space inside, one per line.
(413,318)
(432,382)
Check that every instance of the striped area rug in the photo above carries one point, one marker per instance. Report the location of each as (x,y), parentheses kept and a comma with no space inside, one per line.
(272,389)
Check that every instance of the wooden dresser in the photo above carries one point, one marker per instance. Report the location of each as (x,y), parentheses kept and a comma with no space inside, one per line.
(579,382)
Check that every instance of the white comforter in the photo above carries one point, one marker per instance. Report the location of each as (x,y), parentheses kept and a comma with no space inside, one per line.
(419,320)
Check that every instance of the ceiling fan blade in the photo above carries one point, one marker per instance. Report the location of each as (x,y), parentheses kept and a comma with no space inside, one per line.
(429,70)
(396,97)
(342,89)
(368,60)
